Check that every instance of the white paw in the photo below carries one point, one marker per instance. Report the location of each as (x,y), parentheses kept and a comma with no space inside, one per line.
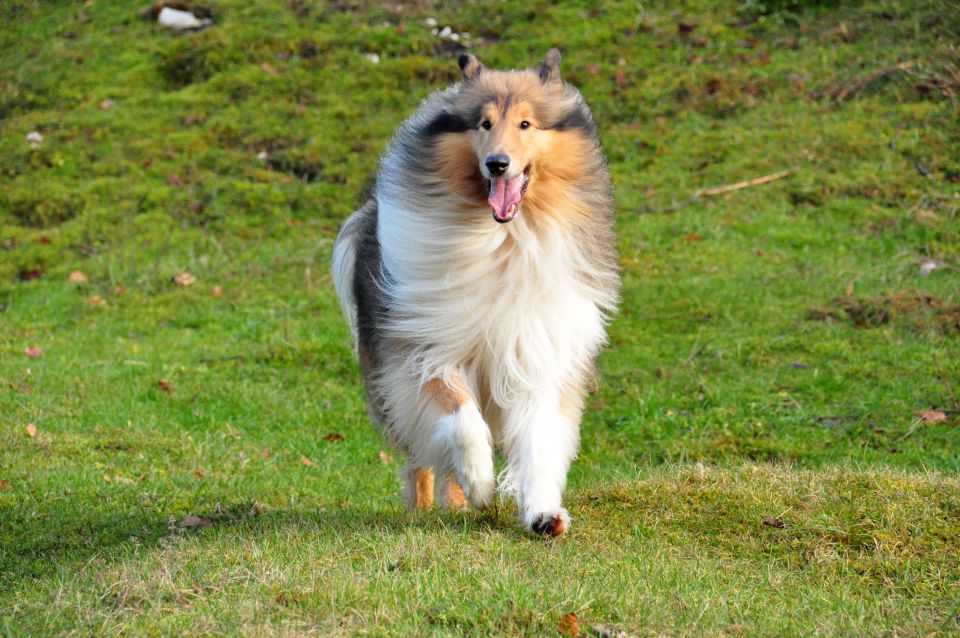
(550,523)
(473,457)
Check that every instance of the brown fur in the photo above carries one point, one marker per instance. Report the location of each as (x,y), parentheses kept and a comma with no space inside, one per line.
(421,487)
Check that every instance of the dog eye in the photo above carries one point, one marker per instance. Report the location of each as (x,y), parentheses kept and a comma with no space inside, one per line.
(486,125)
(524,124)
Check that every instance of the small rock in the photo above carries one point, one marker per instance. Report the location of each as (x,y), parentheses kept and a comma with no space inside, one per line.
(430,22)
(372,58)
(181,20)
(927,266)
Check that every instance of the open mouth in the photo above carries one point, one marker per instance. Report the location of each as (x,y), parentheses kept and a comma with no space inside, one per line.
(505,194)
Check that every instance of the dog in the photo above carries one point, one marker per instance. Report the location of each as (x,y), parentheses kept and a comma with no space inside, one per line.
(478,281)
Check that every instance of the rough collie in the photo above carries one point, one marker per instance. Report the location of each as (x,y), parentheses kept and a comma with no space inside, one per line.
(478,281)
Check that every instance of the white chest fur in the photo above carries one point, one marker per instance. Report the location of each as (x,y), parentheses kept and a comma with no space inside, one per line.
(507,301)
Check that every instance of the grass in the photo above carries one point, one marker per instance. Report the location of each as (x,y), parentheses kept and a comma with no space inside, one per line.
(774,348)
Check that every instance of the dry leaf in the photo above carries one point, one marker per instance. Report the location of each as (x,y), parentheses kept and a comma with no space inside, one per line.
(269,69)
(386,458)
(690,238)
(774,522)
(195,522)
(265,454)
(4,485)
(568,625)
(77,277)
(165,386)
(932,416)
(96,300)
(31,430)
(185,279)
(333,437)
(217,291)
(33,352)
(305,461)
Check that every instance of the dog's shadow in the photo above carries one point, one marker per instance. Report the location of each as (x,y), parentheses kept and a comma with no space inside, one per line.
(51,541)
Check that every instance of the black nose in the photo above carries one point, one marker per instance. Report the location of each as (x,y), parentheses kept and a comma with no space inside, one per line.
(497,164)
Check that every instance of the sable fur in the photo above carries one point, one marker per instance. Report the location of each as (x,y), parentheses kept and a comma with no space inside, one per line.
(470,332)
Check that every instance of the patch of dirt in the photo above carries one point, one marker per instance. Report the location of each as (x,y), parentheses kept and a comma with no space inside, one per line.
(915,309)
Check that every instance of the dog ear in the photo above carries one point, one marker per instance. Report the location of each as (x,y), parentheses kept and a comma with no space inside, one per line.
(470,66)
(550,69)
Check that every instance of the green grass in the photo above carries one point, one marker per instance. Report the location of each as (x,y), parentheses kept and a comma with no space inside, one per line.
(773,349)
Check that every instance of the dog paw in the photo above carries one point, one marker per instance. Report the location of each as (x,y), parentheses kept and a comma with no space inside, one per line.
(552,523)
(478,481)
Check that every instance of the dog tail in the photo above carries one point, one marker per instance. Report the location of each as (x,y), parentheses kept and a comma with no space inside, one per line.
(344,265)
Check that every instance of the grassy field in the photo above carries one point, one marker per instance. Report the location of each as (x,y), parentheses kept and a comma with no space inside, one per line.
(774,444)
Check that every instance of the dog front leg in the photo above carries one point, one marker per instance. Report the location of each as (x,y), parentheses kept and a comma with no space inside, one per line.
(540,439)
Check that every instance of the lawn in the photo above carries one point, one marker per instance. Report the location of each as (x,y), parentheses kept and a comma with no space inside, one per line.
(773,445)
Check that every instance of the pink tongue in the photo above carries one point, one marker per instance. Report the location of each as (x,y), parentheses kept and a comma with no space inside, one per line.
(505,195)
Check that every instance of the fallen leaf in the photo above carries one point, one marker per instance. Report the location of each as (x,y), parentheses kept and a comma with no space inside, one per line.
(165,386)
(333,437)
(385,458)
(106,105)
(174,180)
(118,289)
(265,454)
(217,291)
(269,69)
(33,352)
(690,238)
(106,478)
(594,69)
(43,239)
(198,473)
(77,277)
(96,300)
(195,522)
(620,77)
(774,522)
(305,461)
(184,279)
(4,485)
(932,416)
(568,625)
(31,430)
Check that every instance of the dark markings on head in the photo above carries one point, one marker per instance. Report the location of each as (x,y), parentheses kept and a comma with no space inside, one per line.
(577,119)
(445,122)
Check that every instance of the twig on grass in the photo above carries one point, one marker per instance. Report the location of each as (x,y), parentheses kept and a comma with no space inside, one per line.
(720,190)
(726,188)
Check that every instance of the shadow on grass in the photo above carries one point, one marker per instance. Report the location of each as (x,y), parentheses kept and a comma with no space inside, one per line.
(36,544)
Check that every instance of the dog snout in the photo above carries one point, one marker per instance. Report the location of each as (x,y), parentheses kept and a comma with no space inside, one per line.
(497,164)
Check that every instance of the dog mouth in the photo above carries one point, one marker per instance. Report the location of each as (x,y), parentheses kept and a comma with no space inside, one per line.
(505,193)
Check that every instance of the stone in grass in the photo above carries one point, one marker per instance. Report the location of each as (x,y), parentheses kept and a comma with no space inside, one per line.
(180,20)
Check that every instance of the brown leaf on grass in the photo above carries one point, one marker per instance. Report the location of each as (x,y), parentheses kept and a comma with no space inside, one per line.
(184,279)
(265,454)
(43,239)
(77,277)
(165,386)
(195,522)
(34,352)
(568,625)
(307,462)
(96,300)
(31,430)
(174,180)
(5,485)
(932,416)
(385,458)
(333,437)
(690,238)
(594,69)
(620,77)
(217,291)
(774,522)
(269,69)
(119,289)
